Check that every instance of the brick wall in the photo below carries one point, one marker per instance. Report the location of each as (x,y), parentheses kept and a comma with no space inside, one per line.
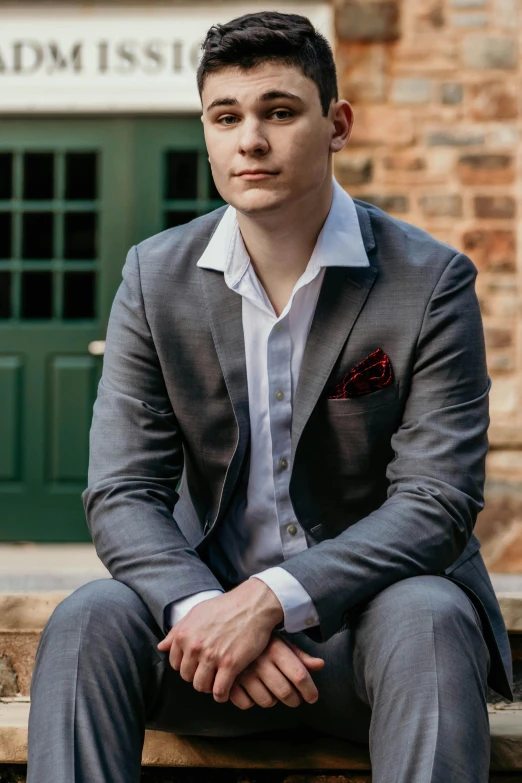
(435,85)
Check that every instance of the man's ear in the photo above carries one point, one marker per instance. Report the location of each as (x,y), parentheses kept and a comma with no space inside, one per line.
(342,120)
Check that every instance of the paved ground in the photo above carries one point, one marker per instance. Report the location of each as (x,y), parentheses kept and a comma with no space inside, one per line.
(48,567)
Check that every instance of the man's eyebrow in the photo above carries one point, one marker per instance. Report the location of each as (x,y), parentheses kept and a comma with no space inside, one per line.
(266,96)
(270,96)
(222,102)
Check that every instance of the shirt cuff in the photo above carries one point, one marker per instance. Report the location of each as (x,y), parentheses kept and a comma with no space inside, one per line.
(298,607)
(178,609)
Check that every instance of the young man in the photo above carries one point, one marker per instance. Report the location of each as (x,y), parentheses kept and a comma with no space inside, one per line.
(314,370)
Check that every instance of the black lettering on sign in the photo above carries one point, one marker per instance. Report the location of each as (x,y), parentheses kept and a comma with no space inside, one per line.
(103,56)
(177,56)
(195,51)
(154,57)
(27,56)
(63,62)
(126,51)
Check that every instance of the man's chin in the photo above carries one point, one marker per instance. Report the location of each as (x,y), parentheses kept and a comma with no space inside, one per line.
(257,202)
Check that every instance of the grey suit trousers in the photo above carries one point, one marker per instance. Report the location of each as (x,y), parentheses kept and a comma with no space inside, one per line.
(409,677)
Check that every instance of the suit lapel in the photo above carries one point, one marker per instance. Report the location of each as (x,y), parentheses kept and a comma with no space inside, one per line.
(341,298)
(224,309)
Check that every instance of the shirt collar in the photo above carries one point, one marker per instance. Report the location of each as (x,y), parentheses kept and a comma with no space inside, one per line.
(339,242)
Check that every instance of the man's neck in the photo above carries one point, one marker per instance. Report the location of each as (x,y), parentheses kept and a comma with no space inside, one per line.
(280,244)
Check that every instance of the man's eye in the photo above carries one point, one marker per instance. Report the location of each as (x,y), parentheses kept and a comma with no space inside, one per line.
(228,117)
(285,112)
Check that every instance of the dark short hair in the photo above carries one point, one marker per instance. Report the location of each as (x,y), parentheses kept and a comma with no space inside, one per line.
(271,36)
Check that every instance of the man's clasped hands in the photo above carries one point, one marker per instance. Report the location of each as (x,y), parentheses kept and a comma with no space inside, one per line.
(226,646)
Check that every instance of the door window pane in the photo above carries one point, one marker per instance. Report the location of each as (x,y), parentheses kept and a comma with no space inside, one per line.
(181,172)
(80,235)
(81,176)
(78,295)
(37,295)
(37,235)
(173,218)
(5,235)
(6,175)
(212,190)
(5,294)
(38,176)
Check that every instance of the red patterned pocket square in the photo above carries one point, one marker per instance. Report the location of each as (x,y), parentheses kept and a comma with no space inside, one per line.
(372,374)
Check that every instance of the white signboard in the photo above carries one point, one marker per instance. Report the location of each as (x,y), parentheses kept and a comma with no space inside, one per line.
(99,59)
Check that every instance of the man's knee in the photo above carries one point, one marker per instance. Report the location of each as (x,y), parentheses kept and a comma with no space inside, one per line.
(413,629)
(95,606)
(414,610)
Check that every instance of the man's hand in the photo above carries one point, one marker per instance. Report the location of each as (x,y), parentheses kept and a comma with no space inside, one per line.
(219,637)
(273,675)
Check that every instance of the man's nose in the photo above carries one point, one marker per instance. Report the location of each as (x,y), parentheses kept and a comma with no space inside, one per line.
(252,139)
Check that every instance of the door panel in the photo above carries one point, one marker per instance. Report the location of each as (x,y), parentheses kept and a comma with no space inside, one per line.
(71,390)
(74,196)
(10,416)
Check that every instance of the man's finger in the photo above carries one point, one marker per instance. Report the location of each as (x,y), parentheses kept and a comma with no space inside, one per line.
(175,656)
(305,657)
(204,677)
(240,697)
(310,661)
(294,669)
(188,667)
(222,684)
(167,641)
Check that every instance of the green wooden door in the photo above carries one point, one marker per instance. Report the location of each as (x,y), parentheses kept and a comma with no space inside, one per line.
(74,195)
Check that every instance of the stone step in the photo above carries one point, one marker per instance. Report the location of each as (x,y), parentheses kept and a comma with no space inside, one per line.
(162,749)
(23,616)
(295,750)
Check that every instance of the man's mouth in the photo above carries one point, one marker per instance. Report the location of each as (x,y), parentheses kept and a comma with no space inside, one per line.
(254,174)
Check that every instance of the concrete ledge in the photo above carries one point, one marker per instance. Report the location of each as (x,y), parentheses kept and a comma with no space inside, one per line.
(511,607)
(261,751)
(162,749)
(28,611)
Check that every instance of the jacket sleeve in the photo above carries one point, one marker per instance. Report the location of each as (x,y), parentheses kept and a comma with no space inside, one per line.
(436,477)
(135,462)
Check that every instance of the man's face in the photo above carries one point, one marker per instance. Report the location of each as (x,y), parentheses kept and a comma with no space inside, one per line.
(269,120)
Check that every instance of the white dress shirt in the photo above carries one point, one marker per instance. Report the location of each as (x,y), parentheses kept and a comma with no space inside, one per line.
(267,531)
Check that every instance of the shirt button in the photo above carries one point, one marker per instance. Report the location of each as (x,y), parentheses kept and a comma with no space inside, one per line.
(292,529)
(310,621)
(283,463)
(279,395)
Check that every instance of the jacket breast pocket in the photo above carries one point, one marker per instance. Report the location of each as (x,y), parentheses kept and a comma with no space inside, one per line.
(367,402)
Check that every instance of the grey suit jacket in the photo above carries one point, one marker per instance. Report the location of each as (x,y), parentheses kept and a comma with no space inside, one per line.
(386,486)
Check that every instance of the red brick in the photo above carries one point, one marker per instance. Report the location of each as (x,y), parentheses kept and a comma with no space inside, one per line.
(404,161)
(497,337)
(362,72)
(382,125)
(442,205)
(494,100)
(389,202)
(377,20)
(495,206)
(491,250)
(486,169)
(429,15)
(353,170)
